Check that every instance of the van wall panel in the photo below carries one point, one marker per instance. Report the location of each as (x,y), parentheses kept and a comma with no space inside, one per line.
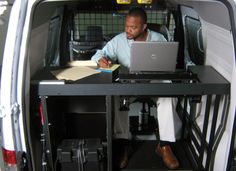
(219,49)
(38,44)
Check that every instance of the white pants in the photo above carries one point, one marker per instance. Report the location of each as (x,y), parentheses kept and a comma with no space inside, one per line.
(166,116)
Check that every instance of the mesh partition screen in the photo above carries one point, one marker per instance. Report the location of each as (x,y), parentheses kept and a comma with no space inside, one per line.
(92,26)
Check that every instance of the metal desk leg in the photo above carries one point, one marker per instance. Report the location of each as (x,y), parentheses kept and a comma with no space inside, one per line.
(213,128)
(45,136)
(184,119)
(203,143)
(109,107)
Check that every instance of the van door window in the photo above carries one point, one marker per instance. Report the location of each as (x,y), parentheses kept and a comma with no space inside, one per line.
(194,40)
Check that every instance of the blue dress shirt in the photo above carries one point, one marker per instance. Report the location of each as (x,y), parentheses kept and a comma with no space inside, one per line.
(118,48)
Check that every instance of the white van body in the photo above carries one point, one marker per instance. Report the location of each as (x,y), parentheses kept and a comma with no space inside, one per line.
(25,43)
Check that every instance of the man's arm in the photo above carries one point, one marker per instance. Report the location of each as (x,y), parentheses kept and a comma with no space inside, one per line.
(105,56)
(100,59)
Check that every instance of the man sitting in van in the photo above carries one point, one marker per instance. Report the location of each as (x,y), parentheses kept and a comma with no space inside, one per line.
(118,49)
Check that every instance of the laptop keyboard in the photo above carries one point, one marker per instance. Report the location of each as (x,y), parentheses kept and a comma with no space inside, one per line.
(180,75)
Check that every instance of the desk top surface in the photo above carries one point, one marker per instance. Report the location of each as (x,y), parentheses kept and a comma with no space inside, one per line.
(210,82)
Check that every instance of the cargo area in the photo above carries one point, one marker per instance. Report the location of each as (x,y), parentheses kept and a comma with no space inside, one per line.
(70,123)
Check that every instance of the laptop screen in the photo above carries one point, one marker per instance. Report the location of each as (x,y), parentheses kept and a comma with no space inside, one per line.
(153,56)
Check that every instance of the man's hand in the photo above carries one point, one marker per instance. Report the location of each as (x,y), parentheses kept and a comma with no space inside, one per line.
(104,62)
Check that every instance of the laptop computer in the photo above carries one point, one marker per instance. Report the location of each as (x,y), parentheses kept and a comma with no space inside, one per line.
(153,56)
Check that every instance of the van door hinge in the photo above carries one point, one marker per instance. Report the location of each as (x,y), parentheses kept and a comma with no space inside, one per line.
(14,110)
(3,7)
(22,158)
(2,111)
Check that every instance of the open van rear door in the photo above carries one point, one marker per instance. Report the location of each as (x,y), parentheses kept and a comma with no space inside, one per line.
(213,43)
(13,141)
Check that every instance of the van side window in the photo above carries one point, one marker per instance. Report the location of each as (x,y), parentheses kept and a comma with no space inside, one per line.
(194,40)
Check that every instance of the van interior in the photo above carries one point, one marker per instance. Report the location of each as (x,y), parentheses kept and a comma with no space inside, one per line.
(69,126)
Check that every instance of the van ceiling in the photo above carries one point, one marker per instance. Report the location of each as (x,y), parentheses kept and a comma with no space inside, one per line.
(212,11)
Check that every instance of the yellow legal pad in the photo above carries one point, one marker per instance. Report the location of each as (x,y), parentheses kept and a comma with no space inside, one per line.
(110,69)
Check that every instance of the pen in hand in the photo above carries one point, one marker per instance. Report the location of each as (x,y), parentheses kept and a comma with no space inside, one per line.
(104,62)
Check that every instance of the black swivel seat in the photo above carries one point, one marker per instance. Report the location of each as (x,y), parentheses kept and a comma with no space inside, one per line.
(160,28)
(84,48)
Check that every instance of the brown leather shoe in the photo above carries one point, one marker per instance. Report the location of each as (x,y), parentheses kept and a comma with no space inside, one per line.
(168,156)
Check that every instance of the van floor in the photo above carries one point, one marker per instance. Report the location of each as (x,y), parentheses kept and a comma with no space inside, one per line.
(144,158)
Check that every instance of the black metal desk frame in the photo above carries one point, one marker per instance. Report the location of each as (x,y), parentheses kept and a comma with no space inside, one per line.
(211,84)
